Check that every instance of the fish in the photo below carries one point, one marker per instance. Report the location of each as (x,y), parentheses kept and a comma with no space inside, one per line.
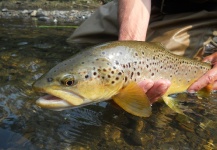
(112,71)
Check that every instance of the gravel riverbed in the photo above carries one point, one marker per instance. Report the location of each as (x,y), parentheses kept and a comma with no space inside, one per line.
(70,12)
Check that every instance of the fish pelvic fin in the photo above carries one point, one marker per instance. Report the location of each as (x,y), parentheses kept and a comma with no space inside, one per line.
(133,100)
(175,105)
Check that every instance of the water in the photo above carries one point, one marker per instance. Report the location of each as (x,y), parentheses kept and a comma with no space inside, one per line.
(27,51)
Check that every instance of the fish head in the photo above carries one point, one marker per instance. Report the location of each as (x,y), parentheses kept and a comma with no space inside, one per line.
(78,81)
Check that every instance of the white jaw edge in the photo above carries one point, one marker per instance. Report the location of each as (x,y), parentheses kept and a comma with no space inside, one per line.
(57,104)
(54,104)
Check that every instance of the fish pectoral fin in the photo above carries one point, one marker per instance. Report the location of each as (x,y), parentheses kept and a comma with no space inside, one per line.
(133,100)
(175,105)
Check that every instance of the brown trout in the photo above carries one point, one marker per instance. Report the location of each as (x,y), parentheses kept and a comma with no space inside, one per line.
(112,71)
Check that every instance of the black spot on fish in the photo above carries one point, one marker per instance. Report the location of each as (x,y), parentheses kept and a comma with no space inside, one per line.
(138,73)
(116,62)
(113,82)
(94,73)
(49,79)
(109,76)
(86,76)
(116,78)
(104,70)
(131,76)
(136,54)
(112,72)
(119,73)
(125,79)
(82,62)
(152,74)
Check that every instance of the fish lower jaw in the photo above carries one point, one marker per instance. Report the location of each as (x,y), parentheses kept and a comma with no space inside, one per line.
(59,100)
(53,103)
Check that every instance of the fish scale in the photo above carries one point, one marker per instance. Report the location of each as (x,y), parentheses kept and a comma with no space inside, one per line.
(112,71)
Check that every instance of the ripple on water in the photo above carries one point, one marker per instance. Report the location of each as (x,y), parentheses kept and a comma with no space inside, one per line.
(3,113)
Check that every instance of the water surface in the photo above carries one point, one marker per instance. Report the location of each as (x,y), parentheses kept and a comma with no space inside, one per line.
(27,51)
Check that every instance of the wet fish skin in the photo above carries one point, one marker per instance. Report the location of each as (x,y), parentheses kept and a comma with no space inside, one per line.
(112,70)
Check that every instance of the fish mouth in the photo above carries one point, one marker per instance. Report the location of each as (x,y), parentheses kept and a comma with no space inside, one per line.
(60,100)
(52,102)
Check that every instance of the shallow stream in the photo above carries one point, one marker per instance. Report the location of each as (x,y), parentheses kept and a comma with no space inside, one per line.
(28,50)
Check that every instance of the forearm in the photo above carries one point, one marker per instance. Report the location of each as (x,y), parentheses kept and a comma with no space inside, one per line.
(133,19)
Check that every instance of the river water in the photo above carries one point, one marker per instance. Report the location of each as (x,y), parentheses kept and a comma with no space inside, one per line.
(27,50)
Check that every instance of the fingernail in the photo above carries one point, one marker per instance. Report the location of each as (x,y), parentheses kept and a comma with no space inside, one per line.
(191,91)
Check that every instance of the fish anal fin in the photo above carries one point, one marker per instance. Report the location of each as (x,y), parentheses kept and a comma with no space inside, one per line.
(175,105)
(205,92)
(208,88)
(133,100)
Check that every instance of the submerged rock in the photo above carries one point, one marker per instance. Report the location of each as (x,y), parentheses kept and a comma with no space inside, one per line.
(4,10)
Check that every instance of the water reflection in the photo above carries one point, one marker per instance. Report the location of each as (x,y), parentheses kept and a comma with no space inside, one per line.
(26,52)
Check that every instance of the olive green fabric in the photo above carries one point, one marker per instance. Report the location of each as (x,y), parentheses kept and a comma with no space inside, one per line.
(182,33)
(102,26)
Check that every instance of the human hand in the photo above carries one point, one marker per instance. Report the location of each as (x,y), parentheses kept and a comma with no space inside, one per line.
(209,77)
(154,90)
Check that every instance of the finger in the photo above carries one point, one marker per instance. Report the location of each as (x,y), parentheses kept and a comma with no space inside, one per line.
(146,85)
(208,78)
(211,58)
(158,89)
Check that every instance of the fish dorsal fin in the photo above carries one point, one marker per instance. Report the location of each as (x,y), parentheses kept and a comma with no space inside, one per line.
(133,100)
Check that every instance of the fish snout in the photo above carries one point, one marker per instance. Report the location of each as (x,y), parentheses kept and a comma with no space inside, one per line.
(38,86)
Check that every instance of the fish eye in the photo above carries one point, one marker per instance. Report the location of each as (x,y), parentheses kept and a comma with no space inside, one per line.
(68,80)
